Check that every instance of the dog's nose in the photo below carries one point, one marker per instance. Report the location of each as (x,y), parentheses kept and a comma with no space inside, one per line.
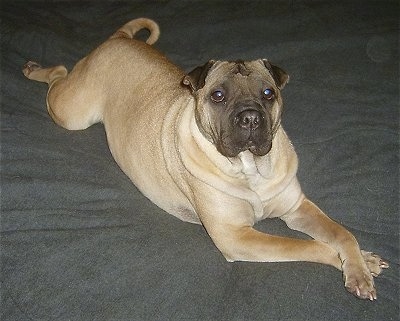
(249,119)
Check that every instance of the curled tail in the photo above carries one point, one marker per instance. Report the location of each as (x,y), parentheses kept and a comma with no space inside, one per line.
(132,27)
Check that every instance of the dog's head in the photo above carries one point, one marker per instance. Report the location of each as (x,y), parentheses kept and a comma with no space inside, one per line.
(238,104)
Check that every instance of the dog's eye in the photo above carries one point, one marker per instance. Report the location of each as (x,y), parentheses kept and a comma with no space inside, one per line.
(268,93)
(217,96)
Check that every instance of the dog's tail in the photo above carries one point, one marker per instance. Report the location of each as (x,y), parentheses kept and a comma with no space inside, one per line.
(132,27)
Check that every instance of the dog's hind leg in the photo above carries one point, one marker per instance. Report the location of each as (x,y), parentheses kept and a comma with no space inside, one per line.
(69,102)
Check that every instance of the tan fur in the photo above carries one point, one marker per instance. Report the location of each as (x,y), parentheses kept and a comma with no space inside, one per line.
(149,120)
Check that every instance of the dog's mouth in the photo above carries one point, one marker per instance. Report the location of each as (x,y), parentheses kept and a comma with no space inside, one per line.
(230,149)
(260,150)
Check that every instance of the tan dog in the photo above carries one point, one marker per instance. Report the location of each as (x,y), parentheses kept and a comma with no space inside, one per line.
(206,147)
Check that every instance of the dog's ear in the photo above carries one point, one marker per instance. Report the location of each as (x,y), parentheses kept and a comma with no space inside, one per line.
(280,76)
(196,78)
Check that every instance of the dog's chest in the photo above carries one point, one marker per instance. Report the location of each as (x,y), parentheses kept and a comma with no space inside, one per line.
(263,178)
(272,182)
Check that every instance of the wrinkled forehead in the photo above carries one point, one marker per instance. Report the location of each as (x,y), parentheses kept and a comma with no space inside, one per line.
(240,72)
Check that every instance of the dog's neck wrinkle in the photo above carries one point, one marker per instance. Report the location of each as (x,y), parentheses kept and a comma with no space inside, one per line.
(253,166)
(256,169)
(278,167)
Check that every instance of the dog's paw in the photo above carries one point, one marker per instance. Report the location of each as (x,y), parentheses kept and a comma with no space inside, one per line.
(358,280)
(29,67)
(359,276)
(374,263)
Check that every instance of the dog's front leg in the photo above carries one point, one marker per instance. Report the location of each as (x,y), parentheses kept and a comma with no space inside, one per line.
(229,222)
(358,266)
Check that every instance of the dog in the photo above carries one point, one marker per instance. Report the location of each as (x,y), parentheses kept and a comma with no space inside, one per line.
(206,146)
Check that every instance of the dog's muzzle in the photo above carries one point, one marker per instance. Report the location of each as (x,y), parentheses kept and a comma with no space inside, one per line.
(246,129)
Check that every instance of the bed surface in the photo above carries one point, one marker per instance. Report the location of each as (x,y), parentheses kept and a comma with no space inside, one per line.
(80,242)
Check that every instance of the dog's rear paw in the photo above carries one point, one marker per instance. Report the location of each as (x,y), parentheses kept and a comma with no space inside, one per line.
(374,263)
(29,67)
